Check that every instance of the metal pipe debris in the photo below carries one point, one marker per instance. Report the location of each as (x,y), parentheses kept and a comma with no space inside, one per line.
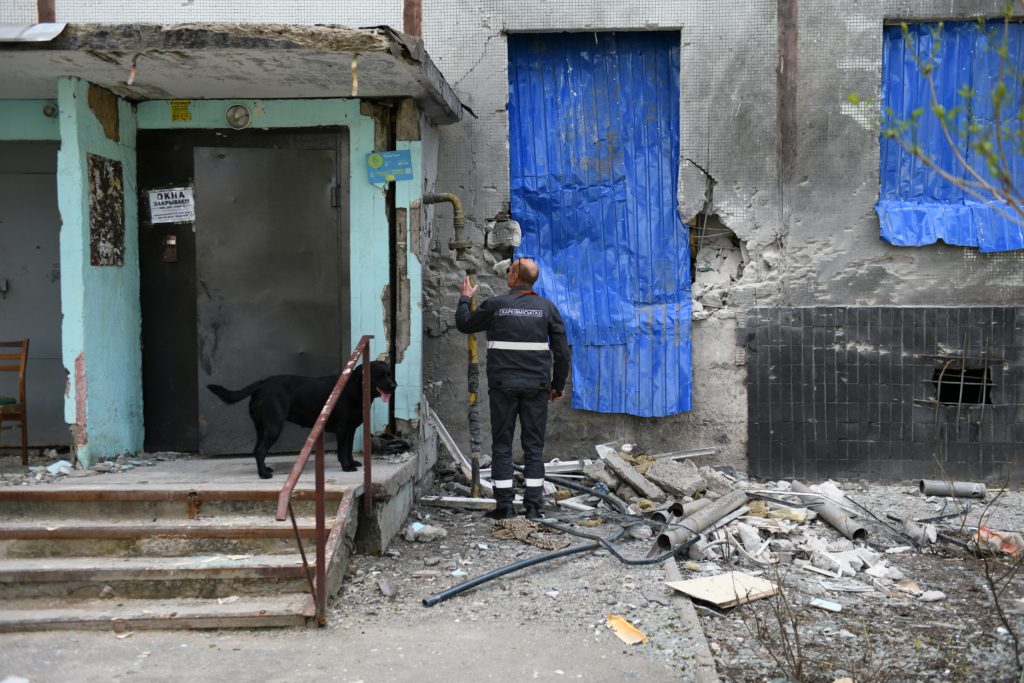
(690,527)
(675,511)
(956,489)
(831,513)
(463,248)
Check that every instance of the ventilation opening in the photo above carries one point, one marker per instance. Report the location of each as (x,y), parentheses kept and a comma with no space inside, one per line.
(968,385)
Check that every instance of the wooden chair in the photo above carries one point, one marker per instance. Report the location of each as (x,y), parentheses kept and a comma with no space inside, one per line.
(14,409)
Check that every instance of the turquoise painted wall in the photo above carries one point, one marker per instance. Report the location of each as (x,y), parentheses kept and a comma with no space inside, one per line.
(102,320)
(24,120)
(368,239)
(410,371)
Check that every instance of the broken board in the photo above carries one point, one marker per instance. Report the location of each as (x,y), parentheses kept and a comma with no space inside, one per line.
(726,590)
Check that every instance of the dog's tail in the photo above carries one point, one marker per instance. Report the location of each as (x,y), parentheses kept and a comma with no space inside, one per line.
(233,395)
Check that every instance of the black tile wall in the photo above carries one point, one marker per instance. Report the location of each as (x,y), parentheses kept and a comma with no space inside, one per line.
(843,392)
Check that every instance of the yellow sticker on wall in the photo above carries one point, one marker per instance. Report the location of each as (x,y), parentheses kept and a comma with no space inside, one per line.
(180,110)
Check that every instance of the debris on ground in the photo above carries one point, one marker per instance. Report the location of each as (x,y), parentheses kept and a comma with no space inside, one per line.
(49,465)
(625,631)
(528,531)
(726,590)
(999,541)
(424,533)
(892,573)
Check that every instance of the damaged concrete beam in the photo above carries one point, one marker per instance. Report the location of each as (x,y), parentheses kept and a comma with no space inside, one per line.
(634,479)
(677,479)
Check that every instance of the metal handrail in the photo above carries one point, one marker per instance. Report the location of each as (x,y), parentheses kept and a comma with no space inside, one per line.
(318,587)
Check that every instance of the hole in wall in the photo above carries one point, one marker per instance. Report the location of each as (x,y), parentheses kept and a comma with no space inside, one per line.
(958,386)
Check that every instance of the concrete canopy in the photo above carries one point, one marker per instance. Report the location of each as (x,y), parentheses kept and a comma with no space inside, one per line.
(224,61)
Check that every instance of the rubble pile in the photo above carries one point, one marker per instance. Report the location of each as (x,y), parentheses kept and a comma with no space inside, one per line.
(880,577)
(58,468)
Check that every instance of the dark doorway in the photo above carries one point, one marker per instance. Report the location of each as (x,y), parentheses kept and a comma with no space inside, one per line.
(30,285)
(257,285)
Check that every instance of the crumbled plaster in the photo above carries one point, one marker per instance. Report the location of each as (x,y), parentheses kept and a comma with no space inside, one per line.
(79,434)
(103,104)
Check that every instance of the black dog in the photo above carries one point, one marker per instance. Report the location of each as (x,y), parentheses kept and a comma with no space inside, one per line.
(299,400)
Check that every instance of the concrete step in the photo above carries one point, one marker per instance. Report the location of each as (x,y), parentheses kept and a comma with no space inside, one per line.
(196,576)
(229,534)
(182,502)
(40,614)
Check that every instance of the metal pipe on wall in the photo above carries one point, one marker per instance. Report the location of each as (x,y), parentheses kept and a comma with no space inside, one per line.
(412,18)
(46,11)
(462,248)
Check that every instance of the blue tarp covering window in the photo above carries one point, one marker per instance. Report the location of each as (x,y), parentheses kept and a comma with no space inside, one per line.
(917,206)
(594,135)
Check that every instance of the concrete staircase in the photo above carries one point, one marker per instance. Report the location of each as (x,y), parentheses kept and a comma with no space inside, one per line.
(75,557)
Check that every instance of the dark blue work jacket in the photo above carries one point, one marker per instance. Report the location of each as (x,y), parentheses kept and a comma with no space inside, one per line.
(524,332)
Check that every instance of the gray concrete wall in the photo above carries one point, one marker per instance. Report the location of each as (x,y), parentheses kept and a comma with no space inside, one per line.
(790,217)
(727,128)
(833,254)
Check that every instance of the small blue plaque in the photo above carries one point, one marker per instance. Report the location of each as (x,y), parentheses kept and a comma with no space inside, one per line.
(385,167)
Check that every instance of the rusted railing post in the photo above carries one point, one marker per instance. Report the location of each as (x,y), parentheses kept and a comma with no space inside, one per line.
(321,535)
(315,443)
(367,429)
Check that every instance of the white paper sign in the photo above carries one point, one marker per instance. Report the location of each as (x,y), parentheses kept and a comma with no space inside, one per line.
(172,205)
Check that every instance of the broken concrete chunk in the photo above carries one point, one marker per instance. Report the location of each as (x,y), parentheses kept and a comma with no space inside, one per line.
(598,471)
(423,533)
(640,531)
(840,545)
(832,563)
(868,556)
(627,494)
(883,571)
(637,481)
(676,478)
(829,488)
(61,466)
(851,558)
(932,596)
(749,537)
(899,549)
(920,534)
(717,482)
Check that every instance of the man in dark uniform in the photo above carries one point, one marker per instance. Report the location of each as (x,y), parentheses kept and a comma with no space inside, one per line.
(524,330)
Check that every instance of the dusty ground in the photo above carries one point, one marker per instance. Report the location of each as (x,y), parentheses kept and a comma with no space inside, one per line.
(548,622)
(890,636)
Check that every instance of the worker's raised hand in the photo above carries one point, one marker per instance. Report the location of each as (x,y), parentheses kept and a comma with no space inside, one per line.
(468,288)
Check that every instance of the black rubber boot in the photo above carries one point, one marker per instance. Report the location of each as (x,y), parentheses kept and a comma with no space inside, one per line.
(501,512)
(534,512)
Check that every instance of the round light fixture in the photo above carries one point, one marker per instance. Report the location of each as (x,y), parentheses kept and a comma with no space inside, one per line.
(237,116)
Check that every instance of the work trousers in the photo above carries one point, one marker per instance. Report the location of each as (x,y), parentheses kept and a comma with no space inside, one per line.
(530,406)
